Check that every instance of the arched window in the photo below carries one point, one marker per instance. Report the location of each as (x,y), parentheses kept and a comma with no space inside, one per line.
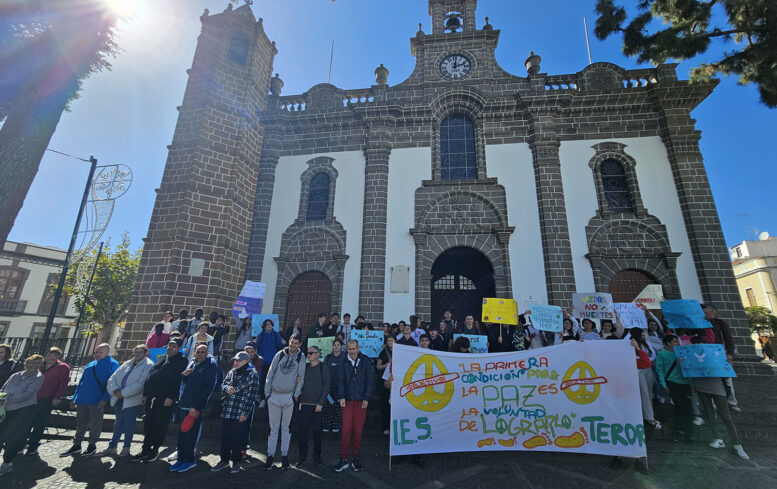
(238,49)
(318,197)
(616,186)
(457,149)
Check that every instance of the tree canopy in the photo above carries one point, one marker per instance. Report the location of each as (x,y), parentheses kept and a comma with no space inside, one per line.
(761,319)
(682,29)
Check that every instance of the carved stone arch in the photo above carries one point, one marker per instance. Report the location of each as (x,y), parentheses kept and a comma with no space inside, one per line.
(626,236)
(612,150)
(313,243)
(453,211)
(317,165)
(602,76)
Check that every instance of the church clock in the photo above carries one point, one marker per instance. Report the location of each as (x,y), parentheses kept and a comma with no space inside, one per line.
(455,66)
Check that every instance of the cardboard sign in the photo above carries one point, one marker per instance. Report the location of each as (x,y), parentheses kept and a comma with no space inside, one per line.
(503,311)
(594,306)
(684,313)
(153,353)
(651,296)
(250,299)
(370,342)
(477,343)
(704,360)
(631,315)
(324,345)
(547,318)
(258,319)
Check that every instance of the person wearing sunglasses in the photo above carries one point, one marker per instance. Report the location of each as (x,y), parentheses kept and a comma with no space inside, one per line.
(311,406)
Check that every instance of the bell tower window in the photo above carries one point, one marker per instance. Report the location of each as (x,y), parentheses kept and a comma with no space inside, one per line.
(457,149)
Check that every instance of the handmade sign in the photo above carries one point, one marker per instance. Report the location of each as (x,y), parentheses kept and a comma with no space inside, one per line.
(324,345)
(258,319)
(704,360)
(651,296)
(153,353)
(370,342)
(477,343)
(684,313)
(594,306)
(503,311)
(576,397)
(250,299)
(547,318)
(631,315)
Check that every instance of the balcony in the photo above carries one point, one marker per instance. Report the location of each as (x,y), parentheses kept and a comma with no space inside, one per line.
(11,307)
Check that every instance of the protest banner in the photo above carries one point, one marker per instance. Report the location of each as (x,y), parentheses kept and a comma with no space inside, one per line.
(155,352)
(324,345)
(631,315)
(502,311)
(370,342)
(576,397)
(594,306)
(258,319)
(704,360)
(684,313)
(250,299)
(651,296)
(547,318)
(477,343)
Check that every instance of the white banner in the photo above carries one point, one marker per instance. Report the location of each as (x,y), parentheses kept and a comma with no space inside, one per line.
(575,397)
(631,315)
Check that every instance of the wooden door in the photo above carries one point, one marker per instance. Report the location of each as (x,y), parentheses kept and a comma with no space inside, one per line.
(309,295)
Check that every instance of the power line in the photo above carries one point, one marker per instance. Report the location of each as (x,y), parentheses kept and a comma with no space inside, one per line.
(68,155)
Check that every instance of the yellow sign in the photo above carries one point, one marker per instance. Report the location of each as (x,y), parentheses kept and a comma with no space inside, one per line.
(428,399)
(581,384)
(503,311)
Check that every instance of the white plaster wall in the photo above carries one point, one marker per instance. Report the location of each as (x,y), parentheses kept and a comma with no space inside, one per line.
(512,164)
(349,201)
(659,197)
(407,167)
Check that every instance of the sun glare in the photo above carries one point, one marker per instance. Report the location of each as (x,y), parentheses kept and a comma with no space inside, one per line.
(124,8)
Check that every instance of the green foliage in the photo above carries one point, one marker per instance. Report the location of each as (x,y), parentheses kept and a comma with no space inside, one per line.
(761,319)
(683,29)
(111,292)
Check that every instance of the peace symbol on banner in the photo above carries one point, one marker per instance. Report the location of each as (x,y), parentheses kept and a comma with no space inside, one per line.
(422,393)
(581,384)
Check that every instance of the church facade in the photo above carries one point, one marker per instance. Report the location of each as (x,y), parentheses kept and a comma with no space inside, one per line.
(461,182)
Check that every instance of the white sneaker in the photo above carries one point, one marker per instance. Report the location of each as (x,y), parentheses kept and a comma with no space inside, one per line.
(741,452)
(172,457)
(736,409)
(125,452)
(718,443)
(5,468)
(698,421)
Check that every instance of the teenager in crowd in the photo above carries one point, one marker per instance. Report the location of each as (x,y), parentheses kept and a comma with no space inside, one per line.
(675,385)
(500,338)
(424,341)
(201,336)
(268,344)
(384,360)
(183,331)
(158,339)
(446,331)
(183,315)
(90,399)
(438,341)
(331,327)
(407,335)
(355,386)
(160,393)
(469,326)
(723,336)
(450,323)
(294,328)
(167,320)
(199,379)
(218,330)
(8,366)
(240,386)
(461,345)
(56,375)
(283,387)
(568,333)
(195,322)
(589,331)
(608,329)
(521,339)
(315,390)
(645,376)
(21,390)
(346,326)
(333,420)
(126,388)
(317,330)
(245,333)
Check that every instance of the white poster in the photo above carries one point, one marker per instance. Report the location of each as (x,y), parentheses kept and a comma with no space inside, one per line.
(651,296)
(631,315)
(547,318)
(575,397)
(594,306)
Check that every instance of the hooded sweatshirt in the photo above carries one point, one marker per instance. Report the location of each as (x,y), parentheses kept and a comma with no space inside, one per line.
(284,371)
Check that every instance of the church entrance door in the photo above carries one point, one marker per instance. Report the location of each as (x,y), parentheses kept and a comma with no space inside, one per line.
(309,294)
(461,278)
(626,285)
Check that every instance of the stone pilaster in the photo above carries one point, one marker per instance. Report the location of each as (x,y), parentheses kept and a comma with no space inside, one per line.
(262,205)
(556,250)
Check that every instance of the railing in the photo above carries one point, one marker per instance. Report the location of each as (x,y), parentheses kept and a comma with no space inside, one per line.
(560,83)
(358,97)
(77,351)
(12,306)
(299,103)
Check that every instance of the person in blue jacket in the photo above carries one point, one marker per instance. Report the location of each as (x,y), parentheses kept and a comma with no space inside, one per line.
(90,399)
(268,343)
(355,384)
(198,380)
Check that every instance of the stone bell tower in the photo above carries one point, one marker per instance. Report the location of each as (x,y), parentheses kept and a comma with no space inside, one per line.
(197,244)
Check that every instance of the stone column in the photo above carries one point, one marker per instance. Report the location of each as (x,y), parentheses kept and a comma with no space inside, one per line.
(262,204)
(556,250)
(373,263)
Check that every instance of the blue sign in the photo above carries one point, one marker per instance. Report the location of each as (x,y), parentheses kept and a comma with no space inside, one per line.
(153,353)
(547,318)
(370,342)
(704,360)
(258,319)
(684,313)
(477,343)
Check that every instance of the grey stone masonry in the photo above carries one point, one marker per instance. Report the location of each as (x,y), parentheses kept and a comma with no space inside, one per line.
(262,204)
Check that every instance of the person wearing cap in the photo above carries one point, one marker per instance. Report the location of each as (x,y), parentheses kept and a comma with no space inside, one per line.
(160,393)
(239,387)
(311,406)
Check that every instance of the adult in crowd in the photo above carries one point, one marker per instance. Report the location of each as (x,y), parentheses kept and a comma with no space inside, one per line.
(56,375)
(182,332)
(500,338)
(199,380)
(677,387)
(21,389)
(90,399)
(239,387)
(8,366)
(201,336)
(345,327)
(256,362)
(183,315)
(158,338)
(355,385)
(315,390)
(384,360)
(317,330)
(294,328)
(126,388)
(195,322)
(468,327)
(331,327)
(268,344)
(218,330)
(723,337)
(333,419)
(160,393)
(245,333)
(167,320)
(282,388)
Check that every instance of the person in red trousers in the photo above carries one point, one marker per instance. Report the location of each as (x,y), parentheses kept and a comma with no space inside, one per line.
(355,384)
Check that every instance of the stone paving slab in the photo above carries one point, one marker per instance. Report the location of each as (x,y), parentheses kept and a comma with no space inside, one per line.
(672,465)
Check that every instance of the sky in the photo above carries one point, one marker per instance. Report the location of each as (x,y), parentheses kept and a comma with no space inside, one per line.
(128,115)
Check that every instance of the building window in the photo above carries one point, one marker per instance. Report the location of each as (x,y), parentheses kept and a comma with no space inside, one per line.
(238,49)
(39,328)
(751,297)
(11,283)
(447,282)
(457,149)
(48,297)
(4,325)
(739,252)
(318,197)
(616,187)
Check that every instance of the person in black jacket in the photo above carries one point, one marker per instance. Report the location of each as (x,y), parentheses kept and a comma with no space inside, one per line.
(8,366)
(160,393)
(354,389)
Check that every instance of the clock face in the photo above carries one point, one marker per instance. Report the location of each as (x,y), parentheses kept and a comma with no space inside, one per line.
(455,67)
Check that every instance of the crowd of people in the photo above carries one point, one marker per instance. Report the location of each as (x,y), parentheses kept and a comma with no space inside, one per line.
(278,371)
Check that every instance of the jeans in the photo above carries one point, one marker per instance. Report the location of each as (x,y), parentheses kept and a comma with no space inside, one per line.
(155,423)
(88,416)
(308,419)
(14,431)
(353,424)
(125,424)
(40,419)
(232,436)
(187,441)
